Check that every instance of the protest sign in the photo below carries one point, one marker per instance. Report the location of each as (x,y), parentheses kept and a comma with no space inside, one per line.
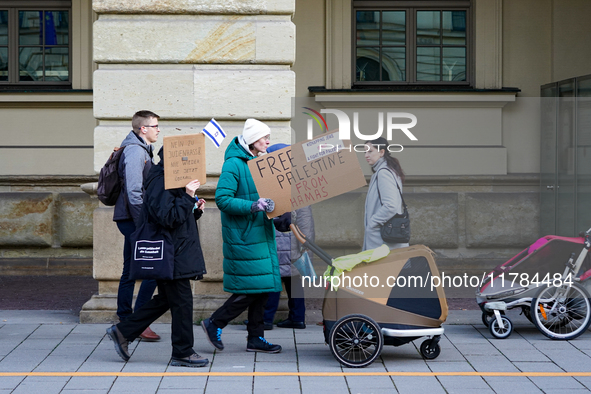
(184,160)
(303,174)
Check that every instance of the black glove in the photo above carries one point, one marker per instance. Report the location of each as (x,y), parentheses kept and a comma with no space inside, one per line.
(282,222)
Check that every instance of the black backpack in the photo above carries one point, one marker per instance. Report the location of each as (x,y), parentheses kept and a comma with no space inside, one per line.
(109,183)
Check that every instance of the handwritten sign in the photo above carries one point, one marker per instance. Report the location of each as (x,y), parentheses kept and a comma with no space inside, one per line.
(294,178)
(312,148)
(184,160)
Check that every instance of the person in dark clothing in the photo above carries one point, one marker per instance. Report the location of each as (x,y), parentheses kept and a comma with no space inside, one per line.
(134,165)
(177,211)
(289,250)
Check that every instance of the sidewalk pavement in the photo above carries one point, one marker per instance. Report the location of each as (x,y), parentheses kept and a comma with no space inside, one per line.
(50,352)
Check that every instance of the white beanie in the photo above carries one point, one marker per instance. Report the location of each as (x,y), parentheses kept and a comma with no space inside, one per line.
(254,130)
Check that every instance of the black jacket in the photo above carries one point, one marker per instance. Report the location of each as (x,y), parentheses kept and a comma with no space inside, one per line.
(173,209)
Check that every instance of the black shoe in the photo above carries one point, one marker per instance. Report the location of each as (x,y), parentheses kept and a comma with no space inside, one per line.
(260,344)
(194,360)
(291,324)
(121,344)
(214,334)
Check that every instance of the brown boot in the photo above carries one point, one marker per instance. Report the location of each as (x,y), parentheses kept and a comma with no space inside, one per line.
(121,344)
(149,336)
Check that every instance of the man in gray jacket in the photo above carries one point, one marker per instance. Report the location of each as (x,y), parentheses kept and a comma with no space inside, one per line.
(134,165)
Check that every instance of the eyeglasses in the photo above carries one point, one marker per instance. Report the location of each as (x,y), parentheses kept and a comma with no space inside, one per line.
(152,126)
(267,137)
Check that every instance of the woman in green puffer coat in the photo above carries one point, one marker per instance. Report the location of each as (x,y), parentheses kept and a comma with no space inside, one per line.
(251,267)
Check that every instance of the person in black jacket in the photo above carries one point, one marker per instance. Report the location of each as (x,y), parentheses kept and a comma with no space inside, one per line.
(176,210)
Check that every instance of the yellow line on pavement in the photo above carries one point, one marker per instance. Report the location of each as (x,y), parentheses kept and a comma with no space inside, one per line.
(320,374)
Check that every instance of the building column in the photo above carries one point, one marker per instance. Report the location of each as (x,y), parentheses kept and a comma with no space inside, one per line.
(188,61)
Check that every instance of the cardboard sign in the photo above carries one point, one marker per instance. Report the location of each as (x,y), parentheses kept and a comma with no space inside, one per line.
(303,174)
(184,160)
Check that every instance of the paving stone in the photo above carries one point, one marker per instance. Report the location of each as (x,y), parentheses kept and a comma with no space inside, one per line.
(90,383)
(195,383)
(132,384)
(570,359)
(525,355)
(451,383)
(269,366)
(313,384)
(243,362)
(224,384)
(22,360)
(554,382)
(370,390)
(14,334)
(283,357)
(362,383)
(477,349)
(470,391)
(42,344)
(511,384)
(276,390)
(315,364)
(495,363)
(401,365)
(414,385)
(45,385)
(62,363)
(314,350)
(449,352)
(537,367)
(292,383)
(10,382)
(457,366)
(70,347)
(585,381)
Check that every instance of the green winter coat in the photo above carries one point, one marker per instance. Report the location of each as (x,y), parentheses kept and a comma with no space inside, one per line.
(250,253)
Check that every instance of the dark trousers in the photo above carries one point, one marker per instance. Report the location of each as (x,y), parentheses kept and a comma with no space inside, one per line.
(237,304)
(177,296)
(126,285)
(295,300)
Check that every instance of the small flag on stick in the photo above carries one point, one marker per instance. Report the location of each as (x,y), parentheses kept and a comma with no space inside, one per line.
(214,132)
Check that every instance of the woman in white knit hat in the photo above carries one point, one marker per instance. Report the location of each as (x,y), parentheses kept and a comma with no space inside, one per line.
(251,266)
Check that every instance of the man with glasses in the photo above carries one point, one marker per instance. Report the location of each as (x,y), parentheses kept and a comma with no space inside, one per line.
(134,165)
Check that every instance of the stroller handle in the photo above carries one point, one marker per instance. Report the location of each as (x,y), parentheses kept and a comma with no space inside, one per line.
(298,233)
(310,245)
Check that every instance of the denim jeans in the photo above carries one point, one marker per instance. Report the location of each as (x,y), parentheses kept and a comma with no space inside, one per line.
(295,301)
(126,285)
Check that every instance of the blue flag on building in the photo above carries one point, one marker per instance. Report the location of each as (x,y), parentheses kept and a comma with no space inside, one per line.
(214,132)
(50,32)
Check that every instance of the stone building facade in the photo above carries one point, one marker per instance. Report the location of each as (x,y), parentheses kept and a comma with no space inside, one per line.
(473,184)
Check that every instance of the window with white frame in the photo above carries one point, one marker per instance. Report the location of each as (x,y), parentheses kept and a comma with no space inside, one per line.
(35,44)
(411,42)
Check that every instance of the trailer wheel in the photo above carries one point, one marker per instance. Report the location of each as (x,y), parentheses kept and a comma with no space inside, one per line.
(486,318)
(562,312)
(526,310)
(430,351)
(498,332)
(356,341)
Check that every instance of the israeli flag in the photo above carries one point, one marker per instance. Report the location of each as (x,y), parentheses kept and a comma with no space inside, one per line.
(214,132)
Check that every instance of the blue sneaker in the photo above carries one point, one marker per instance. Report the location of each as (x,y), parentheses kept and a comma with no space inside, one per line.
(214,334)
(260,344)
